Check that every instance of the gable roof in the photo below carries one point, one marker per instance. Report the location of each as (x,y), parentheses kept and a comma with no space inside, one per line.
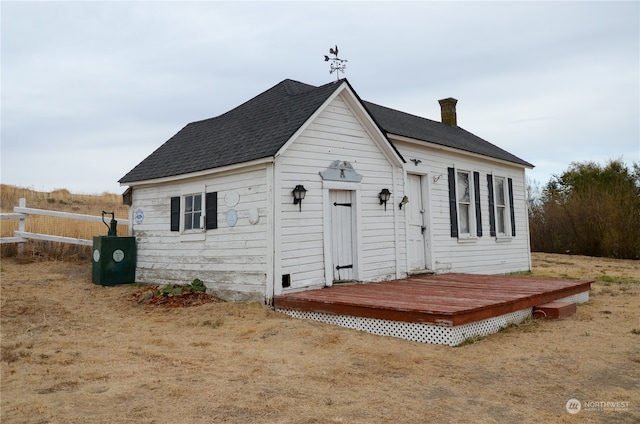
(258,128)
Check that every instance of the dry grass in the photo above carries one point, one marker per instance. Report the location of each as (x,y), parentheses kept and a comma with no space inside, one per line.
(605,270)
(76,352)
(72,351)
(58,200)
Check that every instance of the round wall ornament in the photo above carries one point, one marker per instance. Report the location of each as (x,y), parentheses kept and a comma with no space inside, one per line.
(254,216)
(232,217)
(231,198)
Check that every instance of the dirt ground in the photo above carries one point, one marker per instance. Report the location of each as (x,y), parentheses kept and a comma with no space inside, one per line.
(74,352)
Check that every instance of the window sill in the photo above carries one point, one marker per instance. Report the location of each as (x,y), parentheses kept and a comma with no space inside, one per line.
(463,239)
(195,236)
(503,239)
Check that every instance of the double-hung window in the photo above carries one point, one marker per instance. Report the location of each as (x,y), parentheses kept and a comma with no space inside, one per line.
(502,222)
(501,205)
(193,212)
(464,204)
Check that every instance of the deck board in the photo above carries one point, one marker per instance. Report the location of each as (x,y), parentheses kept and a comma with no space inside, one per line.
(445,299)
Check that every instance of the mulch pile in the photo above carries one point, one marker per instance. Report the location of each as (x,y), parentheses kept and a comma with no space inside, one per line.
(151,296)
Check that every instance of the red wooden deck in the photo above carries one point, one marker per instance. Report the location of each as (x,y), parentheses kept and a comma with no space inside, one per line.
(445,299)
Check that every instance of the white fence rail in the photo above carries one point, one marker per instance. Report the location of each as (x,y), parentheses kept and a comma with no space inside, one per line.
(22,212)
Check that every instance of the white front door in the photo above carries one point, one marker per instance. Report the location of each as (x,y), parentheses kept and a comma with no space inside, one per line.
(416,216)
(342,237)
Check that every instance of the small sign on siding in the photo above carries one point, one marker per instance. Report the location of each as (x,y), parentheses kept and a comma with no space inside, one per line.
(138,216)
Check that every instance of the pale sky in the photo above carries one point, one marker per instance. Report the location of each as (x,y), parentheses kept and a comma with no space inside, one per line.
(89,89)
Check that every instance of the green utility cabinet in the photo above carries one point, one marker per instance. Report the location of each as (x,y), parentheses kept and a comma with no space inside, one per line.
(114,260)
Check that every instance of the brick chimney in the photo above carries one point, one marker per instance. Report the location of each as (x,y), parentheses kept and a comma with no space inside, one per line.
(448,110)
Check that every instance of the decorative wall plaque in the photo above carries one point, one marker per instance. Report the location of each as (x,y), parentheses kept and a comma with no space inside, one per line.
(232,217)
(231,198)
(254,216)
(341,170)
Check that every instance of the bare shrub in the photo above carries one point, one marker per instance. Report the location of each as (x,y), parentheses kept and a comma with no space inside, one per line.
(589,210)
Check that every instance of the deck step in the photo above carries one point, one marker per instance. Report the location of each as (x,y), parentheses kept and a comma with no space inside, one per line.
(554,310)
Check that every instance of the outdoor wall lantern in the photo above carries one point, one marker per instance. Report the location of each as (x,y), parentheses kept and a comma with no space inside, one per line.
(404,201)
(384,196)
(298,194)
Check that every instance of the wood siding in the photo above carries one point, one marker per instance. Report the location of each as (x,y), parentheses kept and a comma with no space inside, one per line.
(484,254)
(231,261)
(336,134)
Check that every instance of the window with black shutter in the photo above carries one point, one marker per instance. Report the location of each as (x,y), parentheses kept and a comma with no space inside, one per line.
(464,204)
(187,212)
(501,207)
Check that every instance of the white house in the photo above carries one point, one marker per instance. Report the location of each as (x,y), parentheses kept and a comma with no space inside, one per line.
(217,200)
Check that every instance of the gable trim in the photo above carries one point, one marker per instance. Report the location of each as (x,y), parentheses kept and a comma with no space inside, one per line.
(372,127)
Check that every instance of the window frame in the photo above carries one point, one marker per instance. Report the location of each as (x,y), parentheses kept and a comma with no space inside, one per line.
(504,206)
(208,218)
(192,213)
(459,202)
(508,219)
(474,209)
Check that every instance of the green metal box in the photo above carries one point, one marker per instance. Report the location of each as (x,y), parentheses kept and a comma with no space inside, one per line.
(114,260)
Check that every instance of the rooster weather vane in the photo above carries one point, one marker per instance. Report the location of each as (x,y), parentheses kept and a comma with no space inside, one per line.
(337,65)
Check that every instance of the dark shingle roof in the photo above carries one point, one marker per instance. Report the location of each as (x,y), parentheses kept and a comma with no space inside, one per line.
(407,125)
(254,130)
(260,127)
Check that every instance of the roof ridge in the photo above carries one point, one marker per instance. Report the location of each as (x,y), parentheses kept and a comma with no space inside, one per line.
(293,87)
(290,86)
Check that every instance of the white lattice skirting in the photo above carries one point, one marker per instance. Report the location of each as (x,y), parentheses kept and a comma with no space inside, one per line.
(427,333)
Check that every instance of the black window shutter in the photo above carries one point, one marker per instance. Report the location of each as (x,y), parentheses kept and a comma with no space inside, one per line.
(175,214)
(492,211)
(453,207)
(511,210)
(212,210)
(476,191)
